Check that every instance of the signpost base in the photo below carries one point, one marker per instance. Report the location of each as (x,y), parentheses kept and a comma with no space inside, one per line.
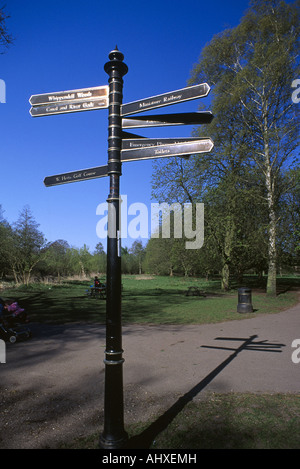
(114,435)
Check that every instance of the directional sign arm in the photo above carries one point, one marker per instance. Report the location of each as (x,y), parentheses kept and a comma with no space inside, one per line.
(138,142)
(82,94)
(161,120)
(68,107)
(166,99)
(166,151)
(75,176)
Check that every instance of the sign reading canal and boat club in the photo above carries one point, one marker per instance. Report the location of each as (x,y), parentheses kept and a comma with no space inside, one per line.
(85,99)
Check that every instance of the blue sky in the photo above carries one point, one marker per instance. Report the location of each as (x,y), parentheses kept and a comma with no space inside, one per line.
(63,45)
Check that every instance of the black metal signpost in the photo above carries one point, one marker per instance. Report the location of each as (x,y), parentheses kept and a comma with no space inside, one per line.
(122,147)
(114,435)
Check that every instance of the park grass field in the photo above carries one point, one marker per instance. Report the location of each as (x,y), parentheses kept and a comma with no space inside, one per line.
(223,421)
(149,299)
(219,421)
(237,421)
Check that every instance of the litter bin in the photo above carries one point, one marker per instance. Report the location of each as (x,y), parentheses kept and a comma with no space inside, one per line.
(244,300)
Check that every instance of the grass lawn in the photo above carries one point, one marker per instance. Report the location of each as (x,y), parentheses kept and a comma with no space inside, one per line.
(217,421)
(220,421)
(157,300)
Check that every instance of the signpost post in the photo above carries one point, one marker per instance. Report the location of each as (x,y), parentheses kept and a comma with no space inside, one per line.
(114,435)
(122,147)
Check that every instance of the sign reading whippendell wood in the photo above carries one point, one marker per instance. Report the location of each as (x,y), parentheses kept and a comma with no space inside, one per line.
(71,95)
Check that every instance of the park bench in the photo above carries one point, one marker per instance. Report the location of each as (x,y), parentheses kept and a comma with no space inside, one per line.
(194,291)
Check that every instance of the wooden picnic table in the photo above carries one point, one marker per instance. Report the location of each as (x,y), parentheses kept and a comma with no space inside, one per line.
(98,292)
(195,291)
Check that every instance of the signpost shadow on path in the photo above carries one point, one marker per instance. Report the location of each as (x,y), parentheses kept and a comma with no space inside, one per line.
(145,439)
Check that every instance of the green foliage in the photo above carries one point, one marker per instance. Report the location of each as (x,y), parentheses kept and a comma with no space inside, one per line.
(244,182)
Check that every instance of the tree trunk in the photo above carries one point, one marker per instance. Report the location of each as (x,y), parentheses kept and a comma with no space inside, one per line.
(228,245)
(271,281)
(225,277)
(82,269)
(15,274)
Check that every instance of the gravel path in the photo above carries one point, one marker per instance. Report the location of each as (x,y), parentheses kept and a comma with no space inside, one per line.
(51,387)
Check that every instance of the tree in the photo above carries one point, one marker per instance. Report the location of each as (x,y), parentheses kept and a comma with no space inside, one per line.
(289,222)
(84,259)
(5,244)
(99,259)
(221,181)
(252,67)
(55,259)
(159,259)
(138,252)
(27,245)
(5,37)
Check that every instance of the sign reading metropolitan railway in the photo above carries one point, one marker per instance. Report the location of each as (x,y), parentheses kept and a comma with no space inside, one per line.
(166,99)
